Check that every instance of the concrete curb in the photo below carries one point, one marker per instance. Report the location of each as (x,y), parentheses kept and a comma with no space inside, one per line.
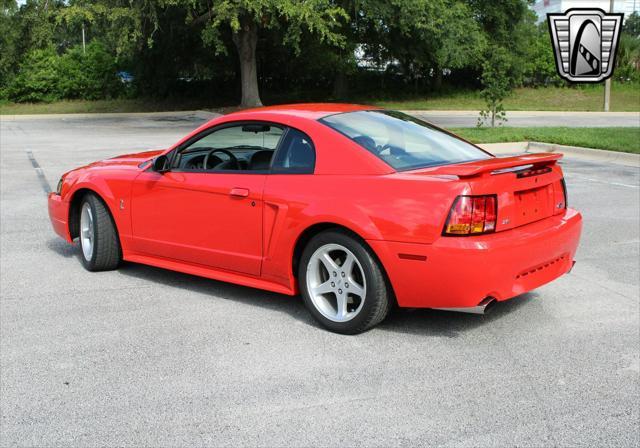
(505,148)
(596,155)
(207,115)
(621,158)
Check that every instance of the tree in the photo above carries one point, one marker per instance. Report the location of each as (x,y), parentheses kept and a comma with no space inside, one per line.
(8,40)
(536,57)
(426,36)
(497,81)
(628,60)
(297,49)
(135,23)
(247,18)
(30,27)
(499,18)
(510,28)
(459,42)
(632,25)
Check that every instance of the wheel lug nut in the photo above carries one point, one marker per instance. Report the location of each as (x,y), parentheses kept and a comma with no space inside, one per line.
(346,285)
(335,274)
(333,285)
(339,291)
(342,274)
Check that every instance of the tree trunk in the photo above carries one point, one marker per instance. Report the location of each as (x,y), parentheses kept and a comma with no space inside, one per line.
(340,85)
(245,40)
(493,116)
(437,81)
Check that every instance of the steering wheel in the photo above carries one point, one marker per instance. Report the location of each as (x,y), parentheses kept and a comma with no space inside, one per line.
(232,159)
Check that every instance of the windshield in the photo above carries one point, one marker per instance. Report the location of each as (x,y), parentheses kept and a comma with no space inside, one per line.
(402,141)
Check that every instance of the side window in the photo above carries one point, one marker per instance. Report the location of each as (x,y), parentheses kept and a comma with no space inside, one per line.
(296,155)
(245,147)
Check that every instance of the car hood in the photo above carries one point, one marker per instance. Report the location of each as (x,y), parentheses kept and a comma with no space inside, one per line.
(130,159)
(127,162)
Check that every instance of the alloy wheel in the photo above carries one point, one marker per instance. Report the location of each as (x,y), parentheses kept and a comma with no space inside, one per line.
(86,231)
(336,282)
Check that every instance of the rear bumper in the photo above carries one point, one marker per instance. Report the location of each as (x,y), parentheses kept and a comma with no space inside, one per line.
(456,272)
(59,215)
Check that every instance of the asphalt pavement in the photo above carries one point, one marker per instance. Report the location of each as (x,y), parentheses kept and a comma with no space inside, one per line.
(144,356)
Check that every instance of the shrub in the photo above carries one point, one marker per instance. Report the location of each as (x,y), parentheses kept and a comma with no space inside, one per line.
(89,76)
(45,76)
(628,63)
(37,78)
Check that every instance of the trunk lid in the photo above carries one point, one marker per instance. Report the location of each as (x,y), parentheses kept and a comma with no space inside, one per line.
(528,187)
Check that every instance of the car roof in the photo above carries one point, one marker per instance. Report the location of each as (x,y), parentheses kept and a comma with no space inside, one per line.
(304,117)
(312,111)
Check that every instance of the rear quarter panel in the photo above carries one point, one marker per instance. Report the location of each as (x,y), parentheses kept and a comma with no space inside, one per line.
(391,207)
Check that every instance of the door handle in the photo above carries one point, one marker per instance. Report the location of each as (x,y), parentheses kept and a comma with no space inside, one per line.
(239,192)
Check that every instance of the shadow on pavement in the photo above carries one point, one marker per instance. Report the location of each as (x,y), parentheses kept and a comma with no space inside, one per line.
(61,247)
(425,322)
(293,306)
(449,324)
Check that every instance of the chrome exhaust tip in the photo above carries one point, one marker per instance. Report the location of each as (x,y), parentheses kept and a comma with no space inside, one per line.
(482,308)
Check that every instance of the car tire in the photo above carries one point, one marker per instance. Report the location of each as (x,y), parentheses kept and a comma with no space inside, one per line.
(99,244)
(346,292)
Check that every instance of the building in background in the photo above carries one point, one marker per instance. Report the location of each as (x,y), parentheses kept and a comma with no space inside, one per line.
(543,7)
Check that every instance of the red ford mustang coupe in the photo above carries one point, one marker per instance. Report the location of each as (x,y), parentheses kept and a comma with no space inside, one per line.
(354,208)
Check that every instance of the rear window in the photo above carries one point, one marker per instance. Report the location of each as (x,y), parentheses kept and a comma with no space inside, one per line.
(402,141)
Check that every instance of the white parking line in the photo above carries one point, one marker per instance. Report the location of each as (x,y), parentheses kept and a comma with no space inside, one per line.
(39,172)
(604,182)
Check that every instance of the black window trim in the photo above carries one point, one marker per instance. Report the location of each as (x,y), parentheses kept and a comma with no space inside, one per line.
(289,171)
(285,128)
(211,130)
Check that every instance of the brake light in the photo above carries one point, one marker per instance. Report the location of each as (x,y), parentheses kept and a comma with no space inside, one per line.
(472,215)
(534,172)
(564,192)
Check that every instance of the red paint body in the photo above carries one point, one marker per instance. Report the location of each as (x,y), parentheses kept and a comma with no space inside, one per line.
(243,227)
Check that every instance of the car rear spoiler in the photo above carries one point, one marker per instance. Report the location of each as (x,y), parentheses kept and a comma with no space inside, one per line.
(495,164)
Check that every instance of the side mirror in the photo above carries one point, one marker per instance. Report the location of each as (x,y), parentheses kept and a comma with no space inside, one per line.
(161,164)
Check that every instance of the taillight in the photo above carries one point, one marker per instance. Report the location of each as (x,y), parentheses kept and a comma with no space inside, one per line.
(472,215)
(564,191)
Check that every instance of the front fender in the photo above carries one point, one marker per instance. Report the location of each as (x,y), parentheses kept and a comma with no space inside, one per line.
(98,186)
(114,188)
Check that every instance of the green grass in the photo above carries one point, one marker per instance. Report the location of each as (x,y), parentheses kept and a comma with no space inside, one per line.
(614,139)
(624,98)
